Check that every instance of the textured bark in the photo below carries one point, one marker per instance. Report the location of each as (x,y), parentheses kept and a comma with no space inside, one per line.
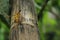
(23,21)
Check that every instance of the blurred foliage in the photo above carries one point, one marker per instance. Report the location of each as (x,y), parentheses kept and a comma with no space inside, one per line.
(49,28)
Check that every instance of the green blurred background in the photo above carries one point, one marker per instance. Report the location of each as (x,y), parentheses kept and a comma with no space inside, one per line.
(48,24)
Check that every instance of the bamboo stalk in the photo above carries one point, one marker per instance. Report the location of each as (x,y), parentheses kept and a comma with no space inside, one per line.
(23,21)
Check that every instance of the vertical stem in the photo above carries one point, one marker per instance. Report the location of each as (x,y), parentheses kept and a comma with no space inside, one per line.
(24,21)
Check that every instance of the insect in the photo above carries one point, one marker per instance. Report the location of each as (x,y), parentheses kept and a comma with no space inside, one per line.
(17,17)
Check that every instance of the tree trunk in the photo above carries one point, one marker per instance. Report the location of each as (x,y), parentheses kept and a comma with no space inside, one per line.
(23,21)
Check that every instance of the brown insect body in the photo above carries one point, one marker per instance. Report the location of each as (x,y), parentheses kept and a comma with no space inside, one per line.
(17,17)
